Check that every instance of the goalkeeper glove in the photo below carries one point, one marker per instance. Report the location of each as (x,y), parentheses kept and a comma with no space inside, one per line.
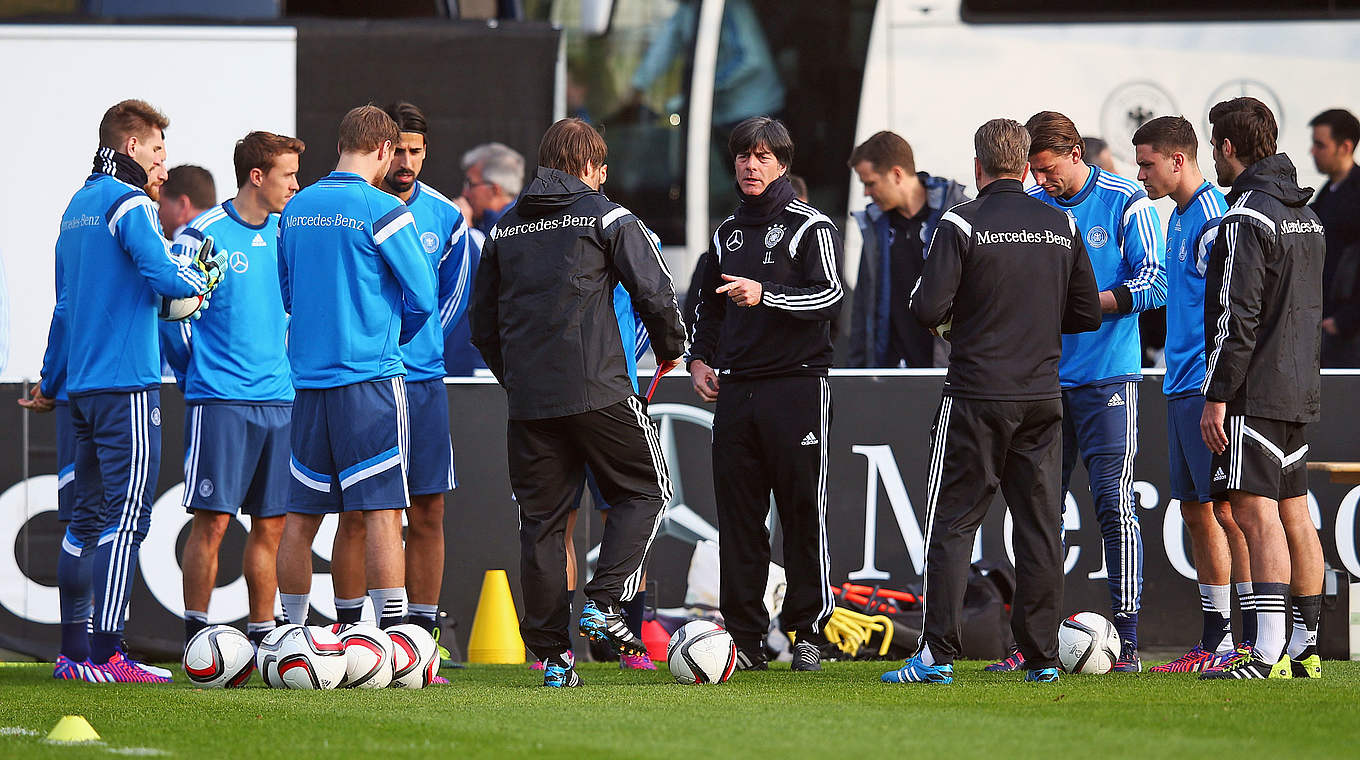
(212,264)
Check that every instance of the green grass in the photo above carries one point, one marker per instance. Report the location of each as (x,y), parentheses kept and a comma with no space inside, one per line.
(842,712)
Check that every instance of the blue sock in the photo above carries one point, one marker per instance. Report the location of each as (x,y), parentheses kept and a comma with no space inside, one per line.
(74,588)
(103,645)
(110,608)
(1127,625)
(634,610)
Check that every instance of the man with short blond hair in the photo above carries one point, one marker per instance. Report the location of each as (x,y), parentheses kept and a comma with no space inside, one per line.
(352,309)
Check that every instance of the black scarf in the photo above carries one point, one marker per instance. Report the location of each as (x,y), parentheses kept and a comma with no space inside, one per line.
(761,209)
(120,166)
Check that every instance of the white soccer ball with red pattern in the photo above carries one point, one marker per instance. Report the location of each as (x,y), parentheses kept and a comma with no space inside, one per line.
(701,652)
(1088,643)
(298,657)
(415,656)
(368,655)
(219,657)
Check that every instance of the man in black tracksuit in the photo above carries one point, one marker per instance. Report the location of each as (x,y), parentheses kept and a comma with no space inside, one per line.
(1262,383)
(763,334)
(1005,277)
(543,318)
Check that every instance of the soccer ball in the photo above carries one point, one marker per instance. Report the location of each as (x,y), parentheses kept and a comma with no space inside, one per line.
(178,309)
(701,652)
(298,657)
(368,656)
(1088,643)
(415,656)
(218,657)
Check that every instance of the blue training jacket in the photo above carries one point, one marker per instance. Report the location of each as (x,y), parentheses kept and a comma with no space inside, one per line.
(445,240)
(355,280)
(1122,233)
(235,350)
(1190,235)
(112,264)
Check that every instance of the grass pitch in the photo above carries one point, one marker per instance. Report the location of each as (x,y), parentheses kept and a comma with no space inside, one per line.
(842,712)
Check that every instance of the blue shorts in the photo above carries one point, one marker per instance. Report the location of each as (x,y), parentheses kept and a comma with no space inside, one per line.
(1190,458)
(596,498)
(348,445)
(66,462)
(236,457)
(430,456)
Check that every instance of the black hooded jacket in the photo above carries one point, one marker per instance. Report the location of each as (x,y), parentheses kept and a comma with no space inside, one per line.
(1263,298)
(542,310)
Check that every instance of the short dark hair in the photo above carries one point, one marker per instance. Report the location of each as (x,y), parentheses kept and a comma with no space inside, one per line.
(1343,124)
(1001,147)
(884,150)
(192,181)
(570,145)
(129,118)
(408,117)
(1050,130)
(1167,135)
(258,150)
(762,130)
(1092,146)
(365,129)
(1248,124)
(799,187)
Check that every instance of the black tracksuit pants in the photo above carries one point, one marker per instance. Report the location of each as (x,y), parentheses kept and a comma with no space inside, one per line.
(547,460)
(770,436)
(976,446)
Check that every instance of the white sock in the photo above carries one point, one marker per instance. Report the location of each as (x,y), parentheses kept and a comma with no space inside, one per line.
(1270,620)
(295,607)
(1300,638)
(389,604)
(430,611)
(927,658)
(1218,599)
(262,627)
(201,617)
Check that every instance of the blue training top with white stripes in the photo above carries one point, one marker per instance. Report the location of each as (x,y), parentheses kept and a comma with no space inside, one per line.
(235,350)
(1190,234)
(444,239)
(1122,232)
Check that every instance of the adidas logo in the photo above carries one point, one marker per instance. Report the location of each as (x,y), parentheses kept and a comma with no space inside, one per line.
(1218,474)
(809,440)
(258,242)
(1115,400)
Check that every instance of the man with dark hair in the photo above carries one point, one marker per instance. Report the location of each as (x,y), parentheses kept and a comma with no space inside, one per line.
(772,287)
(1005,278)
(1336,132)
(187,192)
(543,317)
(1100,370)
(1098,153)
(444,239)
(352,311)
(895,229)
(1165,150)
(232,367)
(112,264)
(1262,383)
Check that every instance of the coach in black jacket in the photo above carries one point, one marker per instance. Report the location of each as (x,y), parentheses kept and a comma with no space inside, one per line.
(1262,382)
(763,334)
(543,317)
(1005,277)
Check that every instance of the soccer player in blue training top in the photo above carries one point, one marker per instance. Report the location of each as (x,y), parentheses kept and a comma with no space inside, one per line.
(111,265)
(1165,149)
(233,367)
(1100,371)
(444,240)
(358,285)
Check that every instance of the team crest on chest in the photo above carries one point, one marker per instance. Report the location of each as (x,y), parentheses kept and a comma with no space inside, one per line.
(429,241)
(773,235)
(734,240)
(1096,237)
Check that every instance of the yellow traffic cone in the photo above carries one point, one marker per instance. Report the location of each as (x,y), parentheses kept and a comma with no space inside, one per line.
(495,629)
(73,728)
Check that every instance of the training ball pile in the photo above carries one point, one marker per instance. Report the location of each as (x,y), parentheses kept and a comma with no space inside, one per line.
(219,657)
(701,652)
(1088,643)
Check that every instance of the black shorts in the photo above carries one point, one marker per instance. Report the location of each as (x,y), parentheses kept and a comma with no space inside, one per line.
(1265,457)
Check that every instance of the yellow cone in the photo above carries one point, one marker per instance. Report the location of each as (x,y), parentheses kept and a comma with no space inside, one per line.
(73,728)
(495,630)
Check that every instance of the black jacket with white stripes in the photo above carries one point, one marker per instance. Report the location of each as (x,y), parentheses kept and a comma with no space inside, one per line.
(542,309)
(1263,298)
(794,251)
(1013,275)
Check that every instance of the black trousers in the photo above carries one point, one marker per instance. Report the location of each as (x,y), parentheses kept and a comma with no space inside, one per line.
(547,464)
(976,446)
(770,436)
